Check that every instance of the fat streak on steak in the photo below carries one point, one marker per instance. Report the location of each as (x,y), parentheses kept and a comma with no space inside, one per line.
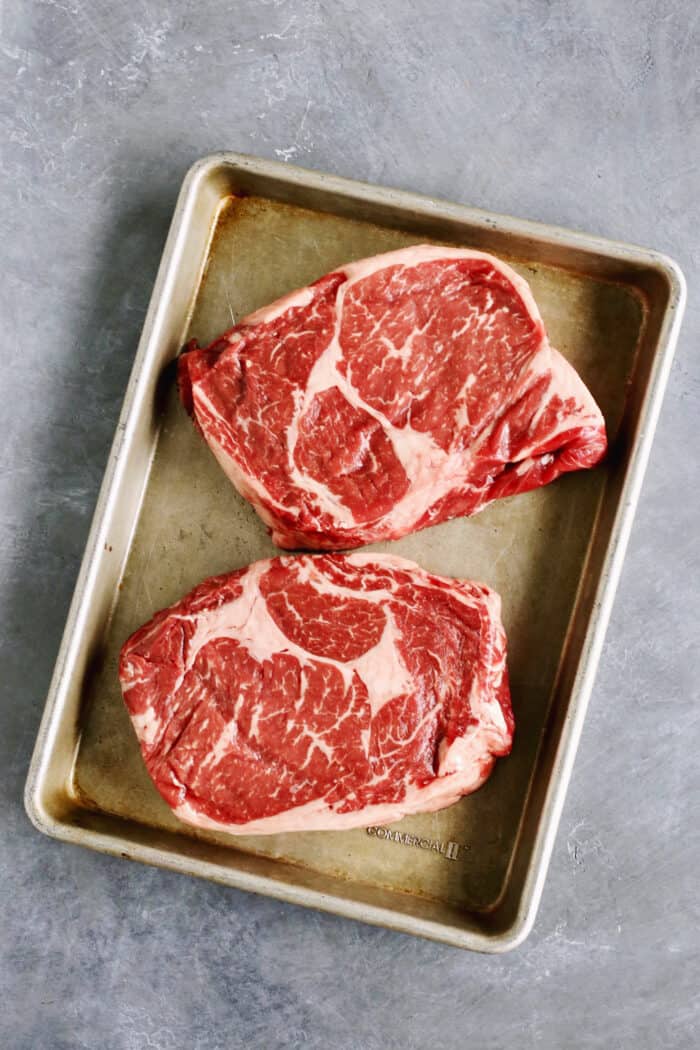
(392,394)
(315,692)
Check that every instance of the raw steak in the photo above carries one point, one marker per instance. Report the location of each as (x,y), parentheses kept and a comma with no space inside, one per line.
(394,393)
(320,692)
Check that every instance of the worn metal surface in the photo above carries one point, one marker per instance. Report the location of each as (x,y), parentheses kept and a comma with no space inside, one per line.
(245,232)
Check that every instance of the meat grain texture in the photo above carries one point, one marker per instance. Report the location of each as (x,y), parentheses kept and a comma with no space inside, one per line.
(392,394)
(320,692)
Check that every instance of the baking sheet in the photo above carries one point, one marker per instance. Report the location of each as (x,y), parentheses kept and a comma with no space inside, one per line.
(245,233)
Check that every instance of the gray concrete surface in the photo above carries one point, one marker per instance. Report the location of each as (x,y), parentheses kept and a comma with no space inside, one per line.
(582,114)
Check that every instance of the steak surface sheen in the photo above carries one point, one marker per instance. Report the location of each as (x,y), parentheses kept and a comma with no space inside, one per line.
(320,692)
(392,394)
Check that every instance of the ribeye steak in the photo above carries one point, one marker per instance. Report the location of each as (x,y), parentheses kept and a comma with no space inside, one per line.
(326,691)
(391,394)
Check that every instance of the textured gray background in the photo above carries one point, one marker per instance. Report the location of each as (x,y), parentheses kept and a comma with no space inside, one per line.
(580,113)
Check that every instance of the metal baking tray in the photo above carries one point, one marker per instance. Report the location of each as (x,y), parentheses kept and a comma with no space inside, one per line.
(244,232)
